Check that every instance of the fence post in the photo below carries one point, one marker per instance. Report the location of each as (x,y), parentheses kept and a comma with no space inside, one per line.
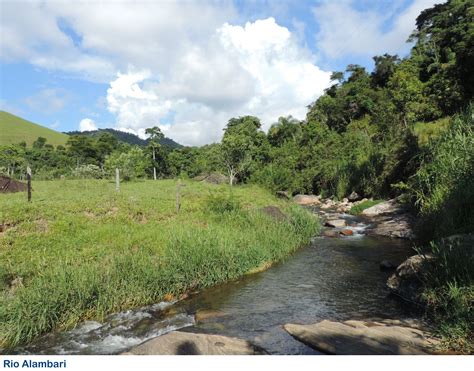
(117,179)
(28,182)
(178,196)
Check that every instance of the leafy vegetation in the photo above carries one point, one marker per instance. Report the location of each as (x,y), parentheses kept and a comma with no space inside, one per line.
(83,250)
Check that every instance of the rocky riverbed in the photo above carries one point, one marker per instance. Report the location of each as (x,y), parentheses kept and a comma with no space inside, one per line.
(388,218)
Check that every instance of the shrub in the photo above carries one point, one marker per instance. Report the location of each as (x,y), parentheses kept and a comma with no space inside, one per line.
(88,172)
(221,203)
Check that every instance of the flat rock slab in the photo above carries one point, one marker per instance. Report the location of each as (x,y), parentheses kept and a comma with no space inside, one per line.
(187,343)
(335,223)
(386,207)
(307,200)
(364,337)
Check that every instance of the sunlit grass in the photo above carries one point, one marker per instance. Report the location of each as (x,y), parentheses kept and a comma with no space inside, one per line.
(83,250)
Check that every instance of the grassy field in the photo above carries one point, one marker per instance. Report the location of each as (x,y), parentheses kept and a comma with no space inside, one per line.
(15,130)
(83,250)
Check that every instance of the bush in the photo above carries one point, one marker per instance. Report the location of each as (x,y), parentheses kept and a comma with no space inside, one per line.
(88,172)
(221,203)
(132,164)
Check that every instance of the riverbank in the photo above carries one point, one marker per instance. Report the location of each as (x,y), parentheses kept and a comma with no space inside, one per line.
(81,250)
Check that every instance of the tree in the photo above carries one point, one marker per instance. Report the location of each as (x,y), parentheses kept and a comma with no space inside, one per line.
(286,129)
(155,135)
(444,38)
(12,158)
(385,66)
(240,144)
(132,164)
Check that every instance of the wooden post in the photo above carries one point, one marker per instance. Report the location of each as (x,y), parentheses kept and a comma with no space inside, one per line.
(178,196)
(28,182)
(117,179)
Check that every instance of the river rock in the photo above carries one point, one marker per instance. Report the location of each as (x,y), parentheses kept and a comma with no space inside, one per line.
(390,219)
(330,233)
(187,343)
(203,314)
(363,337)
(386,207)
(354,196)
(335,223)
(307,200)
(346,232)
(396,226)
(387,265)
(406,281)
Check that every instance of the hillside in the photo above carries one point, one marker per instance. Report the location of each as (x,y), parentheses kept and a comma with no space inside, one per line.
(126,137)
(14,130)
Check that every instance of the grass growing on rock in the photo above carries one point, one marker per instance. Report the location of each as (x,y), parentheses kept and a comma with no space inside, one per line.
(82,250)
(357,209)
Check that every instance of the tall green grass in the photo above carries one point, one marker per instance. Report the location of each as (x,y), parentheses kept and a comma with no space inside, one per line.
(449,291)
(442,189)
(84,250)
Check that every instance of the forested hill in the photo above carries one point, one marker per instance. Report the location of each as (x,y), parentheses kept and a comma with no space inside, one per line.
(129,138)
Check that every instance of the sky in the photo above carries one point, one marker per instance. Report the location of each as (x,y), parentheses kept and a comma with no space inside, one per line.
(186,66)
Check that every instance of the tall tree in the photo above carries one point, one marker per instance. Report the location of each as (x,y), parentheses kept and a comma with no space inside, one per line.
(240,144)
(155,135)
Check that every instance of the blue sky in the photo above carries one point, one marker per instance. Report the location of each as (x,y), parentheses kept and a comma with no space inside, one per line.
(186,66)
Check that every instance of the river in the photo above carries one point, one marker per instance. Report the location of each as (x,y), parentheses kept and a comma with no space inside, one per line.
(332,278)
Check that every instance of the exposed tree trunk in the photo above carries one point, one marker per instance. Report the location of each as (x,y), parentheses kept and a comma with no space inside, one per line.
(154,168)
(231,177)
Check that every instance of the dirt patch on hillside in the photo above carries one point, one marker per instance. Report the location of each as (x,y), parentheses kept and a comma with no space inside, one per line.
(9,185)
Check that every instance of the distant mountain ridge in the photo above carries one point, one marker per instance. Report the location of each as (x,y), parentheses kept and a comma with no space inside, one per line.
(126,137)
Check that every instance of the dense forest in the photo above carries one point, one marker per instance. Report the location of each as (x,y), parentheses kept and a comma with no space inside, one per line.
(405,129)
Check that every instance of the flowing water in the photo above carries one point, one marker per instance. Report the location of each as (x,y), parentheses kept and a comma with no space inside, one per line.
(332,278)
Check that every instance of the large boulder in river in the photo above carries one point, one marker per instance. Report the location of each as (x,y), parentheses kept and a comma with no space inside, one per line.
(307,200)
(188,343)
(396,226)
(390,219)
(335,223)
(406,282)
(386,207)
(388,337)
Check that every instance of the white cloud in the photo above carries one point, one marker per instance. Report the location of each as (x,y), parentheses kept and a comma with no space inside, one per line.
(185,66)
(347,31)
(87,125)
(49,100)
(257,69)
